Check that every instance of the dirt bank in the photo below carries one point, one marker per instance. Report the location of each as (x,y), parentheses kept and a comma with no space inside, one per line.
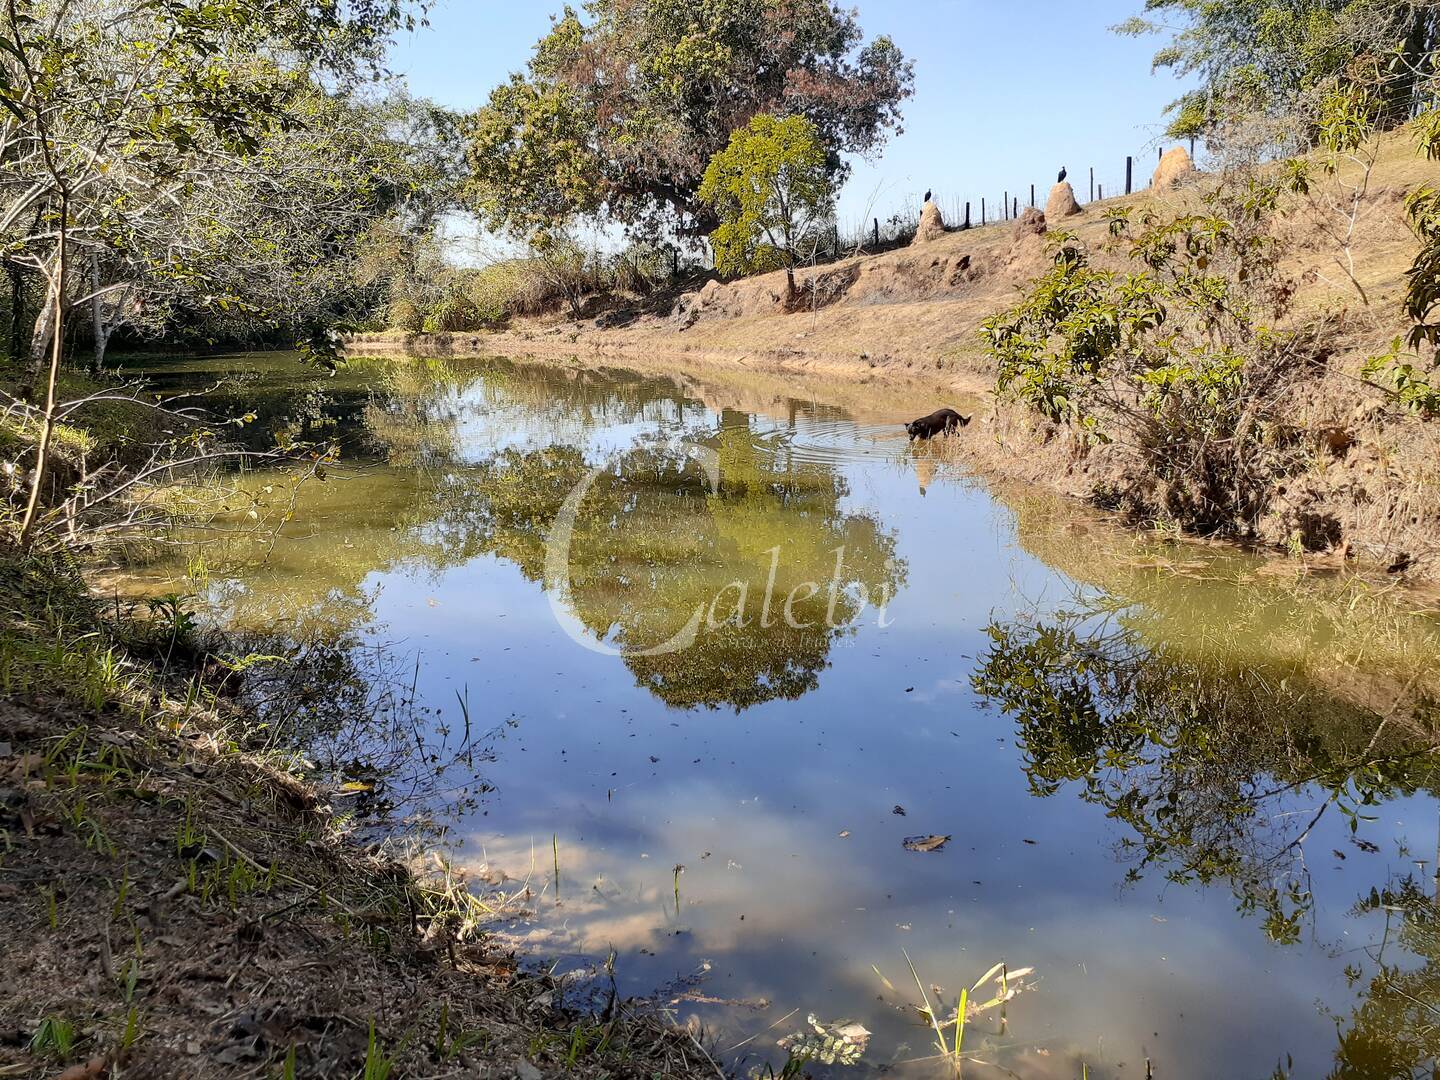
(175,901)
(909,321)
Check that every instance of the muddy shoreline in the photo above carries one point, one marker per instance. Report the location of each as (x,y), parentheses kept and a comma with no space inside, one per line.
(179,899)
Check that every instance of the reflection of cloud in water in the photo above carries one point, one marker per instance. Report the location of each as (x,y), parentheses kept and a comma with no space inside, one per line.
(774,874)
(478,458)
(941,689)
(1100,971)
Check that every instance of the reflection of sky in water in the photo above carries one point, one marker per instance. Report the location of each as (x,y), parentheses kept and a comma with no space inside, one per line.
(753,804)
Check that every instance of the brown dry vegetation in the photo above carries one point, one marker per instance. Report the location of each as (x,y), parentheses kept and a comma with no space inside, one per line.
(912,317)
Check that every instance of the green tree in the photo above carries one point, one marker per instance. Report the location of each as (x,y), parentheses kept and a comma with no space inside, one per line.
(1259,56)
(309,230)
(115,114)
(771,190)
(621,111)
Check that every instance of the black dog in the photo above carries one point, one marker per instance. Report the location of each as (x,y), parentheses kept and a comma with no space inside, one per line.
(943,422)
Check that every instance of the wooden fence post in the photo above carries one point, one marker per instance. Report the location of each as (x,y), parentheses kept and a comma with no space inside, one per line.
(967,215)
(1092,183)
(982,210)
(877,234)
(1032,196)
(1101,189)
(1129,174)
(1005,207)
(1016,213)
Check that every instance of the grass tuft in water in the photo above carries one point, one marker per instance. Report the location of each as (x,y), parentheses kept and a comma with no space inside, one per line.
(1008,985)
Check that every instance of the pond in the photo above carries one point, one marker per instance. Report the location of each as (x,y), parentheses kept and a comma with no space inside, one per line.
(679,662)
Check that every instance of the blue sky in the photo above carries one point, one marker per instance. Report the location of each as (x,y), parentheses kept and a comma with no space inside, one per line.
(1005,93)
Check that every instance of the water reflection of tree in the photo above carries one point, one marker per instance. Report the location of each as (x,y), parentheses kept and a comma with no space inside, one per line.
(347,715)
(1364,640)
(1219,771)
(653,544)
(1394,1031)
(420,407)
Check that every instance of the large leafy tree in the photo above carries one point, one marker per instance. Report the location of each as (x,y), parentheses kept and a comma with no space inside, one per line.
(308,231)
(621,110)
(771,189)
(118,112)
(1263,55)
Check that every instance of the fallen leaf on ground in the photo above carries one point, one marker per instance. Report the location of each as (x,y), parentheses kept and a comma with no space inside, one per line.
(93,1069)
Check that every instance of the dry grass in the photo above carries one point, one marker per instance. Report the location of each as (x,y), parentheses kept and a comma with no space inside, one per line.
(911,313)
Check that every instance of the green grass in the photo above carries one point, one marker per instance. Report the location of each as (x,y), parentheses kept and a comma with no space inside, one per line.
(378,1065)
(55,1038)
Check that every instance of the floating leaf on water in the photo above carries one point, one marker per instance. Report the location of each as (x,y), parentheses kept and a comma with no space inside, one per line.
(357,786)
(925,843)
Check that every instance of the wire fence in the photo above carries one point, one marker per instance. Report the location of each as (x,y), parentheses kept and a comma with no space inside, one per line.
(875,234)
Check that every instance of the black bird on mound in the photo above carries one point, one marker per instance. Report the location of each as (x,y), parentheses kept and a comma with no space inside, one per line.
(1063,174)
(927,196)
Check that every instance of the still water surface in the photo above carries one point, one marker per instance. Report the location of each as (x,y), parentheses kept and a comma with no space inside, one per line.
(1194,795)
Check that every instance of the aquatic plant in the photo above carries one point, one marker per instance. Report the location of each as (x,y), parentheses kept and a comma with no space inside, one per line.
(1008,983)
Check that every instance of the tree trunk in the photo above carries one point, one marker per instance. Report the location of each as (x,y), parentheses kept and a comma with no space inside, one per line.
(17,309)
(98,327)
(57,344)
(43,334)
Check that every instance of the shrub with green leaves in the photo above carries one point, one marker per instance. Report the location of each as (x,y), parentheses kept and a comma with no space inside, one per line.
(1412,386)
(1177,358)
(1422,293)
